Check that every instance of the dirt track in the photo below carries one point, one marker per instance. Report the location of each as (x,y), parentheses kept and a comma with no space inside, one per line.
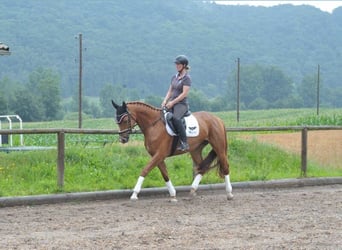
(297,218)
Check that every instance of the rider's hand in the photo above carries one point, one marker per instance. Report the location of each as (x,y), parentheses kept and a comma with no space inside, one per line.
(169,105)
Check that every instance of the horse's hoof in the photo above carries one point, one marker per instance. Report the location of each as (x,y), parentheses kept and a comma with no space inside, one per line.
(230,196)
(134,197)
(173,200)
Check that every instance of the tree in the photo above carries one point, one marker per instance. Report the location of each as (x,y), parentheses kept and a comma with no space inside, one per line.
(334,95)
(308,91)
(6,94)
(26,105)
(276,86)
(154,100)
(251,83)
(3,104)
(111,92)
(218,103)
(88,107)
(45,84)
(261,87)
(198,101)
(258,103)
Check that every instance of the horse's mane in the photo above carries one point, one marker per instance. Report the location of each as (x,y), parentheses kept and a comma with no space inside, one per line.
(145,105)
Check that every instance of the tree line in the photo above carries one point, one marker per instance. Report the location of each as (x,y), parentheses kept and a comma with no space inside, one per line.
(135,49)
(261,87)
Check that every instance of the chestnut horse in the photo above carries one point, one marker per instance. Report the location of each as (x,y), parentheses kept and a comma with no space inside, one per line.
(158,143)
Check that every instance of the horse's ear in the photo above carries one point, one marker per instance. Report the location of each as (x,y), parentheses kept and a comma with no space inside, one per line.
(115,105)
(124,104)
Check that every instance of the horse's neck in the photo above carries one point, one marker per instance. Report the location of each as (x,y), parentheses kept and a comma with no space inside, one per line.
(144,115)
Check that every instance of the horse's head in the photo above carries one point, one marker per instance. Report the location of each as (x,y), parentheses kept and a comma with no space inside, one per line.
(124,120)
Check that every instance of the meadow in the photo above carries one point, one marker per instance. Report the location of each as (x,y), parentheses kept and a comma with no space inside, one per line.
(100,162)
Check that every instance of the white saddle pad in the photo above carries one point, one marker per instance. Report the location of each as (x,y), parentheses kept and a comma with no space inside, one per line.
(192,127)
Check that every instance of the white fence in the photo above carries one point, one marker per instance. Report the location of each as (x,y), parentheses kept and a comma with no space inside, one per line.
(9,118)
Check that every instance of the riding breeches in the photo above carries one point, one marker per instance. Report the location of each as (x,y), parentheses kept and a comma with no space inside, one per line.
(179,110)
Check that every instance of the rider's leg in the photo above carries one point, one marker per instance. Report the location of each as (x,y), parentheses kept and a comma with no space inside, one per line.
(178,112)
(184,146)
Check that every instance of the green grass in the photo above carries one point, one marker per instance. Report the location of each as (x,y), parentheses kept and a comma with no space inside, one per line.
(116,166)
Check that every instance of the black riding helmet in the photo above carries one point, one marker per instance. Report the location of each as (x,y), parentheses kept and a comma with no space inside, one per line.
(182,60)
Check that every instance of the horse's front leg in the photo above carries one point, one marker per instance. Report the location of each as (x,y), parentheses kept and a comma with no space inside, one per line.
(153,162)
(170,187)
(137,188)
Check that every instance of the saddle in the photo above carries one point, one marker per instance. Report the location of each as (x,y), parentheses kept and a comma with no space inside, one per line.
(189,121)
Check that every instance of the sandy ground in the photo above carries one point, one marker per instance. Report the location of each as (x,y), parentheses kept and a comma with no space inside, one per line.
(296,218)
(324,147)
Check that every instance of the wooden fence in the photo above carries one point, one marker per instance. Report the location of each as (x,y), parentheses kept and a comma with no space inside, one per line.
(61,140)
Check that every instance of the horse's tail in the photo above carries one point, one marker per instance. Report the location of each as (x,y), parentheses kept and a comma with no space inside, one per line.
(206,164)
(212,161)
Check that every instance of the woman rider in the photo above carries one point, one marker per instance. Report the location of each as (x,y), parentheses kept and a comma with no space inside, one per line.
(176,100)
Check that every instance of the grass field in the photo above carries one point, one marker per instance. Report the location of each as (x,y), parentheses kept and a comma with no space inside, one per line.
(116,166)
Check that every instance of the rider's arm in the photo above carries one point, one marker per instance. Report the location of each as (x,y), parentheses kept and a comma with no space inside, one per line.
(167,97)
(180,97)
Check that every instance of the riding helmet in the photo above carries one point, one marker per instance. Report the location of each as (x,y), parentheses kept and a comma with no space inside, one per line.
(182,60)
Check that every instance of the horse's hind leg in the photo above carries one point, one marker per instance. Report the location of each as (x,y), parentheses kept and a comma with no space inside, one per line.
(170,187)
(220,146)
(229,188)
(224,171)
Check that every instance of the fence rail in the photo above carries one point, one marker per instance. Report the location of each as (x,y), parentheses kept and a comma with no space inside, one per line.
(61,140)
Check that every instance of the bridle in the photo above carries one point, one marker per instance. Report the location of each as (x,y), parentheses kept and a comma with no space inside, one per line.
(119,120)
(129,130)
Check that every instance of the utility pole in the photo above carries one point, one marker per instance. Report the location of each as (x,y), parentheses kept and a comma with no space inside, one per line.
(318,72)
(238,92)
(80,84)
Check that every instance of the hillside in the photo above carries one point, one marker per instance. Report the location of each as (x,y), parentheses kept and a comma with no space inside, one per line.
(133,43)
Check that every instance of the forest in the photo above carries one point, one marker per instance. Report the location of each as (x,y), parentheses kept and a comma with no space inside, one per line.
(129,48)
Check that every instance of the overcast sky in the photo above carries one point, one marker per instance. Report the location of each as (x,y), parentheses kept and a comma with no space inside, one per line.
(327,6)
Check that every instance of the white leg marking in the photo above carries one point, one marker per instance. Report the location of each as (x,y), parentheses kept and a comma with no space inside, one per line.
(196,182)
(172,191)
(137,188)
(229,188)
(134,196)
(171,188)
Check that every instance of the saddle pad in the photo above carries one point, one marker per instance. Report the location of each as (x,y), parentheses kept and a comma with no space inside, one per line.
(192,127)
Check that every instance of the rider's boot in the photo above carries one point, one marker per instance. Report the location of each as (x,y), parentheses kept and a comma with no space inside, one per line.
(184,146)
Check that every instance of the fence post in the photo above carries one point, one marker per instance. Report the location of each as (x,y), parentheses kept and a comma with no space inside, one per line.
(304,151)
(60,159)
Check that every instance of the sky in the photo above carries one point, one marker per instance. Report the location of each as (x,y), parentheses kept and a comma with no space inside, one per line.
(327,6)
